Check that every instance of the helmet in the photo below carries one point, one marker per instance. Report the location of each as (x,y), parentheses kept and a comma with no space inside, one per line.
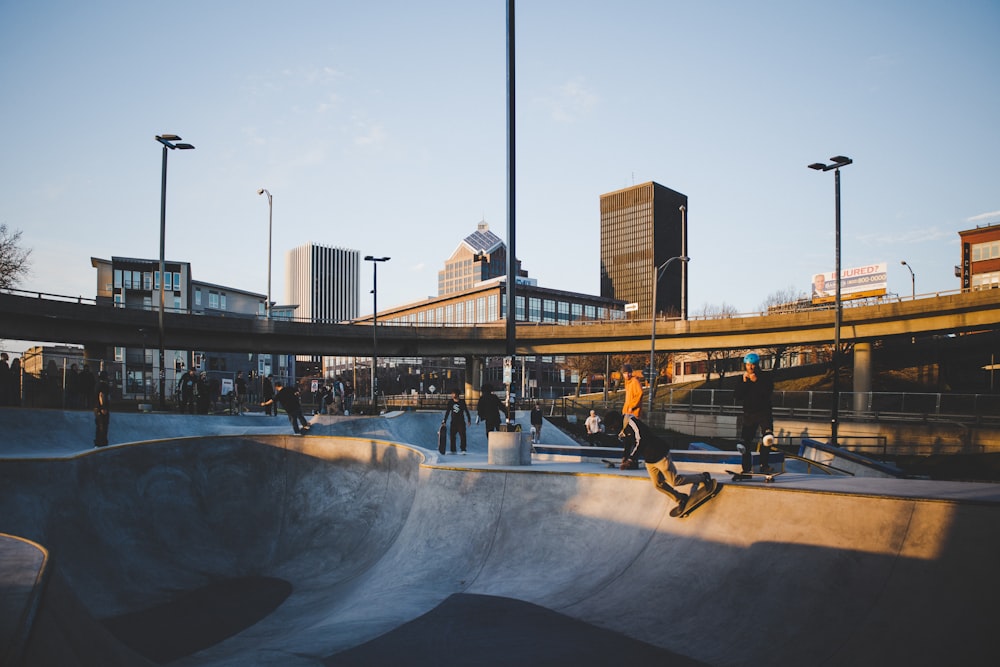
(751,358)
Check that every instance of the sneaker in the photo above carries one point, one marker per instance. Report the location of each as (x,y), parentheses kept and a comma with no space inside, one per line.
(682,502)
(463,452)
(740,448)
(766,469)
(706,478)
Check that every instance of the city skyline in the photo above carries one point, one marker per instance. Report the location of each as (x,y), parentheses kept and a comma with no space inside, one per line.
(381,128)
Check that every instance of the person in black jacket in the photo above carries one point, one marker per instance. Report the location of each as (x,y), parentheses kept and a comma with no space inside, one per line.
(489,407)
(289,399)
(656,455)
(459,413)
(755,391)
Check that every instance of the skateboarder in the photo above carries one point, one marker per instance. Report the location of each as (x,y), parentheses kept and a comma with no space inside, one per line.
(656,454)
(455,409)
(289,399)
(755,391)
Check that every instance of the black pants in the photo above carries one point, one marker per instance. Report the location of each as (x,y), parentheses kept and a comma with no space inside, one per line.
(751,423)
(457,429)
(102,420)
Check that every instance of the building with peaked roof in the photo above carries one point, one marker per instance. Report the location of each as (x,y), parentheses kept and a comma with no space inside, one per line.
(480,256)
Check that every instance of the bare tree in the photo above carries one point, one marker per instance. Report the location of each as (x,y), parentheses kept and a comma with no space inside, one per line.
(716,358)
(783,301)
(14,264)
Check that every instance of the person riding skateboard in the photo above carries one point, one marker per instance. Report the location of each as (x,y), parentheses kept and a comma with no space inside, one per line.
(288,397)
(755,391)
(656,455)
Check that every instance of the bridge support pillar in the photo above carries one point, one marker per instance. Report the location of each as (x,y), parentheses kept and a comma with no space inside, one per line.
(862,376)
(473,378)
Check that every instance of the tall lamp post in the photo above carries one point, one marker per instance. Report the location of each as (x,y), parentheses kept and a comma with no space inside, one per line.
(375,261)
(270,210)
(169,141)
(837,162)
(657,274)
(913,280)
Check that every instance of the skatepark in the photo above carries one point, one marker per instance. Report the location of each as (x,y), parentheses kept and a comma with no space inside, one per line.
(227,541)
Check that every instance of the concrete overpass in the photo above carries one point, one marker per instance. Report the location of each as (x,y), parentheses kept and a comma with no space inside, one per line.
(62,321)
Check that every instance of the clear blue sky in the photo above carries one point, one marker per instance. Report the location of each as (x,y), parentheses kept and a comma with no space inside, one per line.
(380,126)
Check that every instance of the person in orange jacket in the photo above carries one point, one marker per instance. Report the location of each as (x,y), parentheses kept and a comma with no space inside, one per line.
(633,392)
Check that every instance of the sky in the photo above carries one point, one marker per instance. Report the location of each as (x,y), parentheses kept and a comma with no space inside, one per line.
(381,127)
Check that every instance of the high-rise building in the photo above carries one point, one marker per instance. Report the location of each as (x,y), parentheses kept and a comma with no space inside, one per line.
(480,256)
(641,228)
(323,282)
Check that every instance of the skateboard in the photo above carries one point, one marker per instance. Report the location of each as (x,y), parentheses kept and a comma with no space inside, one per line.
(442,437)
(743,476)
(697,499)
(611,463)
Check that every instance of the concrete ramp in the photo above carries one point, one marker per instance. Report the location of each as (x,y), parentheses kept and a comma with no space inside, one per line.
(347,550)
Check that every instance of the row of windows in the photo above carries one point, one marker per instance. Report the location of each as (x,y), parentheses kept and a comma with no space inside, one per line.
(989,250)
(216,300)
(145,280)
(989,280)
(483,309)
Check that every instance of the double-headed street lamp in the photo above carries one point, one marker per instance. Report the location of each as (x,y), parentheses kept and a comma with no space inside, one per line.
(375,261)
(270,209)
(657,274)
(170,141)
(837,161)
(913,280)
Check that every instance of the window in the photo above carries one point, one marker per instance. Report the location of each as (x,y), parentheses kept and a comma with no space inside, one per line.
(988,250)
(197,296)
(177,280)
(548,310)
(118,278)
(213,300)
(147,281)
(534,309)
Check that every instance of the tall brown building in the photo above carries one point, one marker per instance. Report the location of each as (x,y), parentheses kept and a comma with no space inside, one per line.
(641,228)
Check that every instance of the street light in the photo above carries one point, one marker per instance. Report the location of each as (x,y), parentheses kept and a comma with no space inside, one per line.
(838,162)
(270,210)
(657,274)
(169,141)
(375,261)
(913,280)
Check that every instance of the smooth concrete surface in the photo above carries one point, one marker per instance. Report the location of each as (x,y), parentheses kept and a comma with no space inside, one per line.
(361,545)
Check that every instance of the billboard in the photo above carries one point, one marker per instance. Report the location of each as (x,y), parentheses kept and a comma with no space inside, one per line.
(855,283)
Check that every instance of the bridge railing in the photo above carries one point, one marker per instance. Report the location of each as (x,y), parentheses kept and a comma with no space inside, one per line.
(817,405)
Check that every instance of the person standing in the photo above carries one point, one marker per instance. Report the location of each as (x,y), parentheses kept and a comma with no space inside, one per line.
(633,392)
(288,397)
(655,453)
(241,392)
(348,397)
(102,410)
(458,411)
(536,422)
(187,386)
(267,391)
(489,407)
(754,390)
(593,426)
(201,393)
